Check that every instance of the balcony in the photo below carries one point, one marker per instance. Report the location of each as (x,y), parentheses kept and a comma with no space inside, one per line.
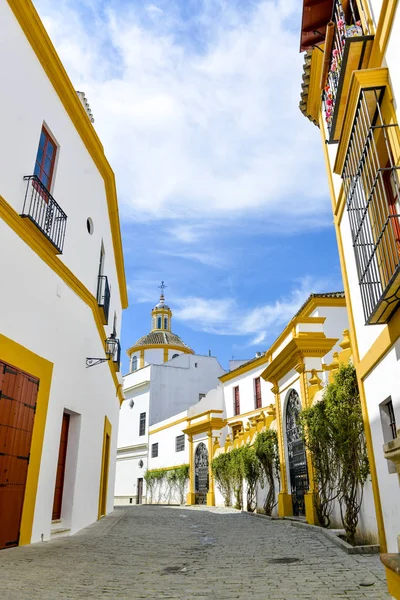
(103,296)
(347,50)
(44,213)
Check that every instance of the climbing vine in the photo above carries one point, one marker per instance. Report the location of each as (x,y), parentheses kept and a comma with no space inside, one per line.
(237,475)
(266,451)
(334,433)
(251,470)
(162,483)
(222,475)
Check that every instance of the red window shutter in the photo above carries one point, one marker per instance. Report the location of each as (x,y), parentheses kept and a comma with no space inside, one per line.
(237,401)
(257,383)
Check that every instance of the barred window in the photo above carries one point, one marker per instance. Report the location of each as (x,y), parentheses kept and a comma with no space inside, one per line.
(142,424)
(371,184)
(179,443)
(154,450)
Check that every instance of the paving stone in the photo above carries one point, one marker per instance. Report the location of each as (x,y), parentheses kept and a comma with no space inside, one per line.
(192,553)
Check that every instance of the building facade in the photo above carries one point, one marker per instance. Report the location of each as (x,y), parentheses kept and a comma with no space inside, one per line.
(63,291)
(351,88)
(154,392)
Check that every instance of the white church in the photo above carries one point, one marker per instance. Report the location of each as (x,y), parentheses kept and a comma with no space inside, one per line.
(166,377)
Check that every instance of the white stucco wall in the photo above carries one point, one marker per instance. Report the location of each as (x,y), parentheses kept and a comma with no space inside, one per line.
(245,381)
(38,310)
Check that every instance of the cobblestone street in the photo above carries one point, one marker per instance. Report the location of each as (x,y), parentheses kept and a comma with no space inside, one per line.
(188,553)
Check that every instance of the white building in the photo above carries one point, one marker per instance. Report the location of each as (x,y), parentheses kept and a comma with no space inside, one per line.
(58,222)
(351,54)
(170,379)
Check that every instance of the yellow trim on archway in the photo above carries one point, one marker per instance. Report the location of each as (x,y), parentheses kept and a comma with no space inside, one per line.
(105,467)
(22,358)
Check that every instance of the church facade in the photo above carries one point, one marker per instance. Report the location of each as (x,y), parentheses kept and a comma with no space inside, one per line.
(166,377)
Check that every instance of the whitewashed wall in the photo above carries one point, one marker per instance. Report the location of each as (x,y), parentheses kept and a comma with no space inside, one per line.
(245,381)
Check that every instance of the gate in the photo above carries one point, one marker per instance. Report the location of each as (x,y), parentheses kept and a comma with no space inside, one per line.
(297,454)
(18,394)
(201,474)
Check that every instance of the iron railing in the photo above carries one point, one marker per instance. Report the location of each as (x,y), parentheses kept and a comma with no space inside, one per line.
(103,295)
(347,25)
(371,185)
(41,208)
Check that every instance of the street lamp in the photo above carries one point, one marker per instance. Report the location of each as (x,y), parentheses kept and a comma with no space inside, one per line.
(111,344)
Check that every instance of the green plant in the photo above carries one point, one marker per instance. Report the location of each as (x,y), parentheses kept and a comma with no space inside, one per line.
(266,451)
(251,470)
(237,475)
(178,477)
(153,480)
(222,475)
(167,481)
(318,437)
(343,411)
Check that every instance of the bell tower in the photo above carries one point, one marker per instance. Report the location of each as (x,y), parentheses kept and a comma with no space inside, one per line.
(161,314)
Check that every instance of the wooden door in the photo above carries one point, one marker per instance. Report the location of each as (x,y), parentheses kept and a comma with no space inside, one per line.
(62,456)
(18,395)
(139,490)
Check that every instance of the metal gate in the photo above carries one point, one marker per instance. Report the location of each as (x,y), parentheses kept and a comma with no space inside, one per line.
(297,454)
(18,394)
(201,474)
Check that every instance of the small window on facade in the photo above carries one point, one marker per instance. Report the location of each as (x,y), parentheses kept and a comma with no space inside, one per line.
(165,322)
(201,396)
(175,355)
(154,450)
(142,424)
(45,159)
(134,363)
(257,393)
(179,443)
(159,322)
(388,422)
(236,401)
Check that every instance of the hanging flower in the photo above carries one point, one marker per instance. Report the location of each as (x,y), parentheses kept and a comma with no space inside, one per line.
(340,24)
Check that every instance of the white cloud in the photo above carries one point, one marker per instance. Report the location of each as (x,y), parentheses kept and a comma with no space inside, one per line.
(225,317)
(197,132)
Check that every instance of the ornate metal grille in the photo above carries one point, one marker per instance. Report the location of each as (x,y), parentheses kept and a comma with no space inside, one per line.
(372,191)
(41,208)
(297,455)
(201,474)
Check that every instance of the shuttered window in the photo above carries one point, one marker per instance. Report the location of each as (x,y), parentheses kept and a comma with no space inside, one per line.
(236,401)
(154,450)
(45,159)
(257,393)
(142,424)
(179,443)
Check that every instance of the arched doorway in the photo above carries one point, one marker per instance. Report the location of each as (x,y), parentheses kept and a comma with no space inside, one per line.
(297,454)
(201,474)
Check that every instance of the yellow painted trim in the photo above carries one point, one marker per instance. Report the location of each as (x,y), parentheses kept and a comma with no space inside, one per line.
(281,390)
(37,243)
(22,358)
(356,360)
(211,492)
(41,44)
(183,349)
(105,468)
(183,420)
(314,87)
(315,303)
(206,412)
(383,30)
(252,413)
(191,497)
(393,582)
(281,445)
(165,354)
(141,359)
(359,80)
(205,426)
(384,342)
(244,369)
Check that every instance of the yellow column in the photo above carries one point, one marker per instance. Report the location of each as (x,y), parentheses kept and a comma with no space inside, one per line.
(211,492)
(191,495)
(165,354)
(311,513)
(141,359)
(285,506)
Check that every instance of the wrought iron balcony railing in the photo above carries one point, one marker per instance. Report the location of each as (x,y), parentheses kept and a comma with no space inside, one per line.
(350,52)
(103,296)
(41,208)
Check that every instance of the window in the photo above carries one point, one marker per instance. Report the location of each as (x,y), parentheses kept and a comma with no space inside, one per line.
(142,424)
(159,322)
(154,450)
(45,159)
(371,185)
(257,393)
(175,355)
(201,396)
(236,401)
(165,322)
(389,430)
(179,443)
(134,363)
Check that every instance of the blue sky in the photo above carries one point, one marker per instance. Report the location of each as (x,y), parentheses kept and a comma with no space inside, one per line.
(221,180)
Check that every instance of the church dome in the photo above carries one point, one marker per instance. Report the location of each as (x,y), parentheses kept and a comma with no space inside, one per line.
(166,338)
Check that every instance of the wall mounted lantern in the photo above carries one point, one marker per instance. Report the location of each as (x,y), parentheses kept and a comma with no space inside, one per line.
(111,344)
